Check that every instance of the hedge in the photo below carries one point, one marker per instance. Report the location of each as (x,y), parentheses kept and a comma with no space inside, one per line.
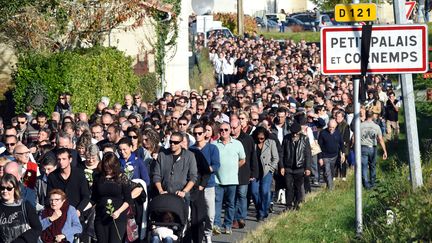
(88,74)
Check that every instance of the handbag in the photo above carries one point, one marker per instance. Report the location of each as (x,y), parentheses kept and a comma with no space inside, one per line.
(315,149)
(131,227)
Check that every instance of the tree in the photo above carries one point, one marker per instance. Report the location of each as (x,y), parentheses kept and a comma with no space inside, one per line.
(326,5)
(65,24)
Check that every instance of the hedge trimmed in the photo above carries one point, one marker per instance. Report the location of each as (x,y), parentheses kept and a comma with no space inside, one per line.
(88,74)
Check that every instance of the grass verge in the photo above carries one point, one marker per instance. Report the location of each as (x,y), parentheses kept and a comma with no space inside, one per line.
(295,36)
(202,75)
(326,216)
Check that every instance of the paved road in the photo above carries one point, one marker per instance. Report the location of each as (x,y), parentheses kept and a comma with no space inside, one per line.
(251,224)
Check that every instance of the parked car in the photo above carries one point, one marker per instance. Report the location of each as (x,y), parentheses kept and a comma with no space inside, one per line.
(266,23)
(312,21)
(220,31)
(296,25)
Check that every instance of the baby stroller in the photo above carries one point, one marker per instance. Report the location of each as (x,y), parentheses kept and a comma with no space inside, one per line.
(165,204)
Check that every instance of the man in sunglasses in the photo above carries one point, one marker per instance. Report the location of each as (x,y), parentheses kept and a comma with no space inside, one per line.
(232,156)
(26,133)
(211,154)
(30,169)
(183,127)
(10,144)
(175,170)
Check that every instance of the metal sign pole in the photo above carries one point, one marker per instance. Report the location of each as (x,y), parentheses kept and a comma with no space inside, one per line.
(409,110)
(358,165)
(357,153)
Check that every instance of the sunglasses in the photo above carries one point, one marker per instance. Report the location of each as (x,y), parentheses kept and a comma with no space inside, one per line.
(182,124)
(10,144)
(2,188)
(174,142)
(198,133)
(133,137)
(21,122)
(224,130)
(255,119)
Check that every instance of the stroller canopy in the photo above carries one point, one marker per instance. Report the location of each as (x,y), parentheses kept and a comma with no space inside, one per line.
(169,202)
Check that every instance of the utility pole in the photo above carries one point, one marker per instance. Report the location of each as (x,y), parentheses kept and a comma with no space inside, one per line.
(240,18)
(409,109)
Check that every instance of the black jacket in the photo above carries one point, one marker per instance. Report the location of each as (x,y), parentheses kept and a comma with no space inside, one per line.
(250,168)
(296,158)
(76,187)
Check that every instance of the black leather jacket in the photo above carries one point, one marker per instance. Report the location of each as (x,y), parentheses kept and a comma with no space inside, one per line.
(297,158)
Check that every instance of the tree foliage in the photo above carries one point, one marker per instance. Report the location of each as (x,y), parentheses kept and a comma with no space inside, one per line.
(166,32)
(229,20)
(328,5)
(88,74)
(66,24)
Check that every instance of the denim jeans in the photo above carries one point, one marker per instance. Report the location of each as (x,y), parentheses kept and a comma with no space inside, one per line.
(209,195)
(227,194)
(261,194)
(241,202)
(329,164)
(368,159)
(155,239)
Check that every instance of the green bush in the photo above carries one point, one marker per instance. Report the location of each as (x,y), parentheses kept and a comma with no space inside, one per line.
(411,209)
(424,107)
(88,74)
(421,83)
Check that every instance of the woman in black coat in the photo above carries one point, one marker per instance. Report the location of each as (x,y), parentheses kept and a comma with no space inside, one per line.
(112,194)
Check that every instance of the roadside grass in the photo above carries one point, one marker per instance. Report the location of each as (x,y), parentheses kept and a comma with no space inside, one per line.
(326,216)
(295,36)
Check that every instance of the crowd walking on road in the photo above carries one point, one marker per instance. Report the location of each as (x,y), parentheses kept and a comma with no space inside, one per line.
(189,164)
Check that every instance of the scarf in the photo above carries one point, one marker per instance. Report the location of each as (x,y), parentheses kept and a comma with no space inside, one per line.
(49,234)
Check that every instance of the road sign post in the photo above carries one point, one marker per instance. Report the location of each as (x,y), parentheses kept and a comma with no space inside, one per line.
(409,111)
(357,151)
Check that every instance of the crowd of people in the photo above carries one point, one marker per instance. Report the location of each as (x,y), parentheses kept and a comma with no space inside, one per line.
(273,123)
